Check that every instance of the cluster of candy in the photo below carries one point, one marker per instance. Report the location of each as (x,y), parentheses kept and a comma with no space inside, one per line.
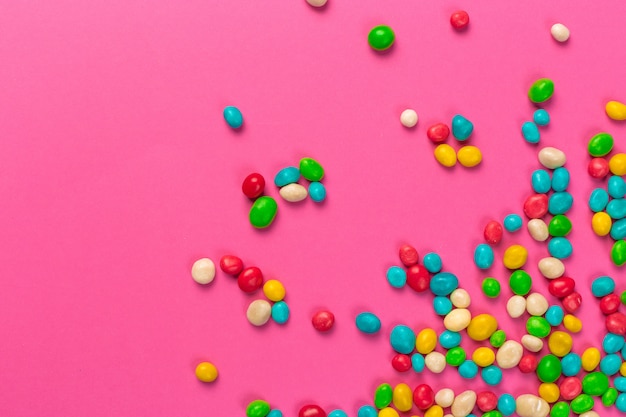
(468,156)
(539,92)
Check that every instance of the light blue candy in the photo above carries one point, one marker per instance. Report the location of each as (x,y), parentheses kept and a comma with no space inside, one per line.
(616,186)
(555,315)
(468,369)
(492,375)
(560,179)
(442,305)
(560,203)
(541,181)
(598,199)
(418,362)
(616,208)
(618,229)
(512,223)
(610,364)
(612,343)
(276,413)
(337,413)
(620,383)
(367,322)
(402,339)
(367,411)
(506,404)
(449,339)
(602,286)
(624,351)
(560,247)
(620,403)
(530,132)
(443,283)
(280,312)
(233,117)
(483,256)
(317,191)
(541,117)
(432,262)
(461,127)
(286,176)
(571,364)
(396,276)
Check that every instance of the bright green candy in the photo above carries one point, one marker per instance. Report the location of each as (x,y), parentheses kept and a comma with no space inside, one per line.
(549,368)
(498,338)
(456,356)
(582,403)
(609,397)
(560,409)
(263,212)
(541,90)
(560,226)
(618,253)
(520,282)
(595,383)
(383,396)
(538,326)
(258,408)
(311,169)
(491,287)
(492,413)
(381,37)
(600,145)
(623,297)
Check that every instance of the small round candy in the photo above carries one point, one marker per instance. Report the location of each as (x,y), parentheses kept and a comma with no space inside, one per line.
(438,133)
(460,298)
(571,303)
(512,223)
(402,397)
(549,368)
(383,395)
(612,343)
(610,364)
(426,341)
(560,343)
(551,157)
(459,19)
(483,356)
(616,186)
(381,37)
(538,327)
(560,203)
(203,271)
(263,212)
(402,339)
(549,392)
(598,168)
(408,118)
(323,320)
(367,411)
(617,164)
(551,267)
(250,279)
(560,247)
(445,155)
(456,356)
(498,338)
(595,383)
(408,255)
(615,110)
(600,144)
(368,322)
(469,156)
(541,117)
(257,408)
(536,304)
(601,286)
(590,359)
(231,265)
(311,169)
(560,226)
(555,315)
(538,230)
(206,372)
(317,191)
(233,117)
(491,287)
(401,362)
(274,290)
(278,413)
(598,200)
(259,312)
(317,3)
(506,404)
(468,369)
(515,257)
(516,306)
(311,410)
(435,362)
(457,320)
(493,232)
(530,132)
(418,278)
(444,397)
(601,223)
(532,343)
(448,339)
(396,276)
(536,206)
(572,323)
(253,185)
(444,283)
(571,364)
(442,305)
(280,312)
(423,396)
(570,387)
(618,253)
(483,256)
(559,32)
(418,362)
(492,375)
(528,364)
(335,413)
(520,282)
(560,179)
(486,401)
(541,181)
(432,262)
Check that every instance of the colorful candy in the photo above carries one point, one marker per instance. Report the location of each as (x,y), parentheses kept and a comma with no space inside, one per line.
(368,322)
(280,312)
(493,232)
(250,279)
(317,191)
(293,193)
(203,271)
(408,118)
(274,290)
(402,339)
(439,132)
(462,128)
(233,117)
(483,256)
(551,267)
(530,132)
(515,256)
(206,372)
(541,90)
(253,185)
(259,312)
(311,169)
(541,117)
(491,287)
(311,410)
(512,223)
(445,155)
(258,408)
(459,19)
(481,327)
(560,32)
(600,144)
(469,156)
(231,264)
(323,320)
(381,37)
(263,212)
(552,158)
(616,110)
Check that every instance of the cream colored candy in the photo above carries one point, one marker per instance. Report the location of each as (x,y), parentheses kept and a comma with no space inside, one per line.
(259,312)
(444,397)
(559,32)
(532,343)
(463,404)
(516,306)
(317,3)
(293,192)
(509,354)
(448,415)
(528,405)
(408,118)
(435,362)
(536,304)
(552,158)
(460,298)
(551,268)
(589,414)
(203,271)
(538,230)
(457,320)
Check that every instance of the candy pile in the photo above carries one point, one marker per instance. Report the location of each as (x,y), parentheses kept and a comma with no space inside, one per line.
(468,156)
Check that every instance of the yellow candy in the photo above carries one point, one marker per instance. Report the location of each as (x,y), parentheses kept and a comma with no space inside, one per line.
(616,110)
(445,155)
(515,256)
(403,397)
(426,341)
(622,369)
(617,164)
(549,392)
(434,411)
(590,359)
(274,290)
(483,356)
(482,327)
(206,372)
(560,344)
(469,156)
(572,323)
(601,223)
(388,412)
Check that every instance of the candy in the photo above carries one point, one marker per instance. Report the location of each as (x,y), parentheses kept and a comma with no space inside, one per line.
(509,354)
(571,364)
(620,383)
(530,132)
(449,339)
(493,232)
(551,158)
(498,338)
(443,283)
(263,212)
(560,343)
(388,412)
(551,267)
(293,193)
(555,315)
(549,368)
(469,156)
(280,312)
(233,117)
(617,164)
(506,404)
(367,322)
(402,339)
(538,326)
(598,200)
(616,208)
(582,403)
(515,256)
(538,230)
(615,110)
(561,287)
(598,168)
(486,401)
(432,262)
(438,133)
(253,185)
(468,369)
(401,363)
(572,323)
(536,304)
(572,302)
(483,356)
(462,128)
(231,265)
(483,256)
(408,118)
(600,145)
(423,396)
(491,287)
(418,362)
(434,411)
(540,180)
(323,320)
(616,186)
(396,276)
(311,169)
(520,282)
(528,364)
(492,375)
(528,405)
(602,286)
(457,320)
(590,359)
(418,278)
(311,410)
(402,397)
(610,364)
(595,383)
(444,397)
(206,372)
(408,255)
(335,413)
(383,395)
(317,3)
(560,247)
(536,206)
(481,327)
(541,117)
(463,403)
(381,37)
(512,223)
(618,230)
(426,341)
(618,253)
(445,155)
(259,312)
(570,388)
(616,323)
(250,279)
(317,191)
(609,397)
(435,362)
(559,32)
(549,392)
(560,226)
(609,304)
(516,306)
(560,203)
(274,290)
(278,413)
(203,271)
(601,223)
(560,409)
(460,298)
(288,175)
(590,414)
(459,19)
(532,343)
(258,408)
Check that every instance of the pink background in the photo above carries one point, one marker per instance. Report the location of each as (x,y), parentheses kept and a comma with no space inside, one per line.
(117,171)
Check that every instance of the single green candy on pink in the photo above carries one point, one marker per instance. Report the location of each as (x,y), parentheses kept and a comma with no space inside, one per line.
(258,408)
(311,169)
(618,253)
(541,90)
(600,145)
(263,212)
(381,37)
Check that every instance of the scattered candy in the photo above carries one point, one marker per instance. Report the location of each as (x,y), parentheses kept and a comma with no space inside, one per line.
(408,118)
(259,312)
(203,271)
(206,372)
(233,117)
(323,320)
(459,19)
(253,185)
(263,212)
(559,32)
(541,90)
(381,38)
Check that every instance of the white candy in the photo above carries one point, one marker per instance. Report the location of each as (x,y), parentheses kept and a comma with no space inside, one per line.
(408,118)
(259,312)
(444,397)
(532,343)
(552,158)
(559,32)
(589,414)
(317,3)
(460,298)
(516,306)
(536,304)
(528,405)
(538,230)
(293,192)
(435,362)
(463,404)
(457,320)
(203,271)
(551,268)
(509,354)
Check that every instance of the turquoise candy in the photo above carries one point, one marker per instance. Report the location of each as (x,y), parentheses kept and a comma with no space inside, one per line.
(618,229)
(233,117)
(311,169)
(541,117)
(396,276)
(610,364)
(367,322)
(602,286)
(492,375)
(367,411)
(612,343)
(337,413)
(286,176)
(461,127)
(280,312)
(443,283)
(276,413)
(624,351)
(449,339)
(418,362)
(530,132)
(571,364)
(432,262)
(616,186)
(506,404)
(541,181)
(484,256)
(560,179)
(555,315)
(468,369)
(317,191)
(616,208)
(620,404)
(560,247)
(402,339)
(598,199)
(512,223)
(620,383)
(442,305)
(560,203)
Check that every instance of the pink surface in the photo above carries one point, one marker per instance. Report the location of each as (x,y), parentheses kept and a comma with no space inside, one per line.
(117,171)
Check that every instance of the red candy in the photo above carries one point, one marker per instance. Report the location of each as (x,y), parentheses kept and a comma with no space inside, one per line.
(423,396)
(616,323)
(572,302)
(528,364)
(401,363)
(561,287)
(311,410)
(250,279)
(253,185)
(231,264)
(459,19)
(598,168)
(408,255)
(438,133)
(486,401)
(323,320)
(536,206)
(570,388)
(609,304)
(493,232)
(418,278)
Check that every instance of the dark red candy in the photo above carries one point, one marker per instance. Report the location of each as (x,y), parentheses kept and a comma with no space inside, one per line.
(459,19)
(408,255)
(323,320)
(570,388)
(253,185)
(493,232)
(438,132)
(598,168)
(311,410)
(616,323)
(231,264)
(536,206)
(250,279)
(528,364)
(401,363)
(609,304)
(418,278)
(561,287)
(572,302)
(486,401)
(423,396)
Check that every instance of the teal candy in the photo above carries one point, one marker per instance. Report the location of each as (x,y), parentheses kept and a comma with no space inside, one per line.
(442,305)
(367,411)
(610,364)
(598,199)
(396,276)
(468,369)
(541,181)
(512,223)
(367,322)
(317,191)
(620,383)
(280,312)
(571,364)
(616,208)
(506,404)
(616,186)
(492,375)
(602,286)
(276,413)
(560,247)
(288,175)
(555,315)
(443,283)
(337,413)
(233,117)
(541,117)
(449,339)
(560,179)
(620,404)
(432,262)
(484,256)
(402,339)
(530,132)
(560,203)
(418,362)
(461,127)
(618,229)
(623,352)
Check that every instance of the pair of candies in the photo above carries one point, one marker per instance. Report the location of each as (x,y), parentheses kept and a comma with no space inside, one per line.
(264,208)
(287,180)
(530,130)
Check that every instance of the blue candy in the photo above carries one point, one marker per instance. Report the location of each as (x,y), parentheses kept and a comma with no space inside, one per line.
(612,343)
(442,305)
(618,230)
(512,223)
(432,262)
(541,117)
(449,339)
(277,413)
(620,383)
(492,375)
(620,404)
(286,176)
(560,203)
(560,179)
(541,181)
(367,322)
(280,312)
(555,315)
(337,413)
(396,276)
(560,247)
(616,208)
(443,283)
(418,362)
(317,191)
(506,404)
(483,255)
(530,132)
(367,411)
(233,117)
(602,286)
(402,339)
(598,199)
(461,127)
(616,186)
(571,364)
(468,369)
(610,364)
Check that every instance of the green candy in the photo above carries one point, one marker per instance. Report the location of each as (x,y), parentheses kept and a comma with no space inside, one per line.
(600,145)
(538,326)
(493,413)
(258,408)
(491,287)
(559,226)
(383,396)
(520,282)
(549,368)
(582,403)
(498,338)
(618,253)
(311,169)
(381,37)
(263,212)
(541,90)
(623,297)
(456,356)
(609,397)
(560,409)
(595,383)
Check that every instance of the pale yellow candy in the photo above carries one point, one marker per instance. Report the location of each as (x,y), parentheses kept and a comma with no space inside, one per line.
(532,343)
(560,343)
(408,118)
(601,223)
(559,32)
(509,354)
(274,290)
(590,359)
(403,397)
(536,304)
(549,392)
(463,404)
(481,327)
(572,323)
(444,397)
(457,320)
(528,405)
(483,356)
(426,341)
(203,271)
(617,164)
(259,312)
(460,298)
(515,256)
(435,362)
(551,267)
(469,156)
(589,414)
(317,3)
(616,110)
(434,411)
(445,155)
(388,412)
(538,230)
(516,306)
(552,158)
(293,192)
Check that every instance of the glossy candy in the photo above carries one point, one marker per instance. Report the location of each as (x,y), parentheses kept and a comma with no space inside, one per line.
(571,364)
(572,323)
(423,396)
(457,320)
(590,359)
(460,298)
(493,232)
(528,364)
(426,341)
(549,392)
(311,410)
(231,265)
(540,180)
(278,413)
(560,409)
(560,343)
(617,164)
(609,304)
(616,208)
(233,117)
(610,364)
(481,327)
(560,226)
(483,356)
(571,303)
(549,368)
(253,185)
(618,230)
(274,290)
(560,203)
(516,306)
(288,175)
(463,403)
(560,248)
(462,128)
(598,168)
(570,388)
(536,304)
(432,262)
(551,158)
(408,255)
(520,282)
(258,408)
(402,397)
(459,19)
(367,411)
(381,37)
(598,200)
(528,405)
(311,169)
(438,133)
(468,369)
(538,230)
(408,118)
(401,362)
(595,383)
(317,191)
(323,320)
(555,315)
(250,279)
(259,312)
(582,403)
(402,339)
(536,206)
(396,276)
(483,256)
(615,110)
(541,117)
(498,338)
(293,193)
(512,223)
(418,277)
(448,339)
(538,326)
(506,404)
(530,132)
(618,253)
(620,403)
(600,144)
(486,401)
(203,271)
(616,186)
(601,223)
(541,90)
(418,362)
(443,283)
(560,33)
(551,267)
(515,257)
(491,287)
(532,343)
(383,396)
(509,354)
(263,212)
(609,397)
(492,375)
(602,286)
(206,372)
(280,312)
(336,413)
(368,322)
(469,156)
(445,155)
(444,397)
